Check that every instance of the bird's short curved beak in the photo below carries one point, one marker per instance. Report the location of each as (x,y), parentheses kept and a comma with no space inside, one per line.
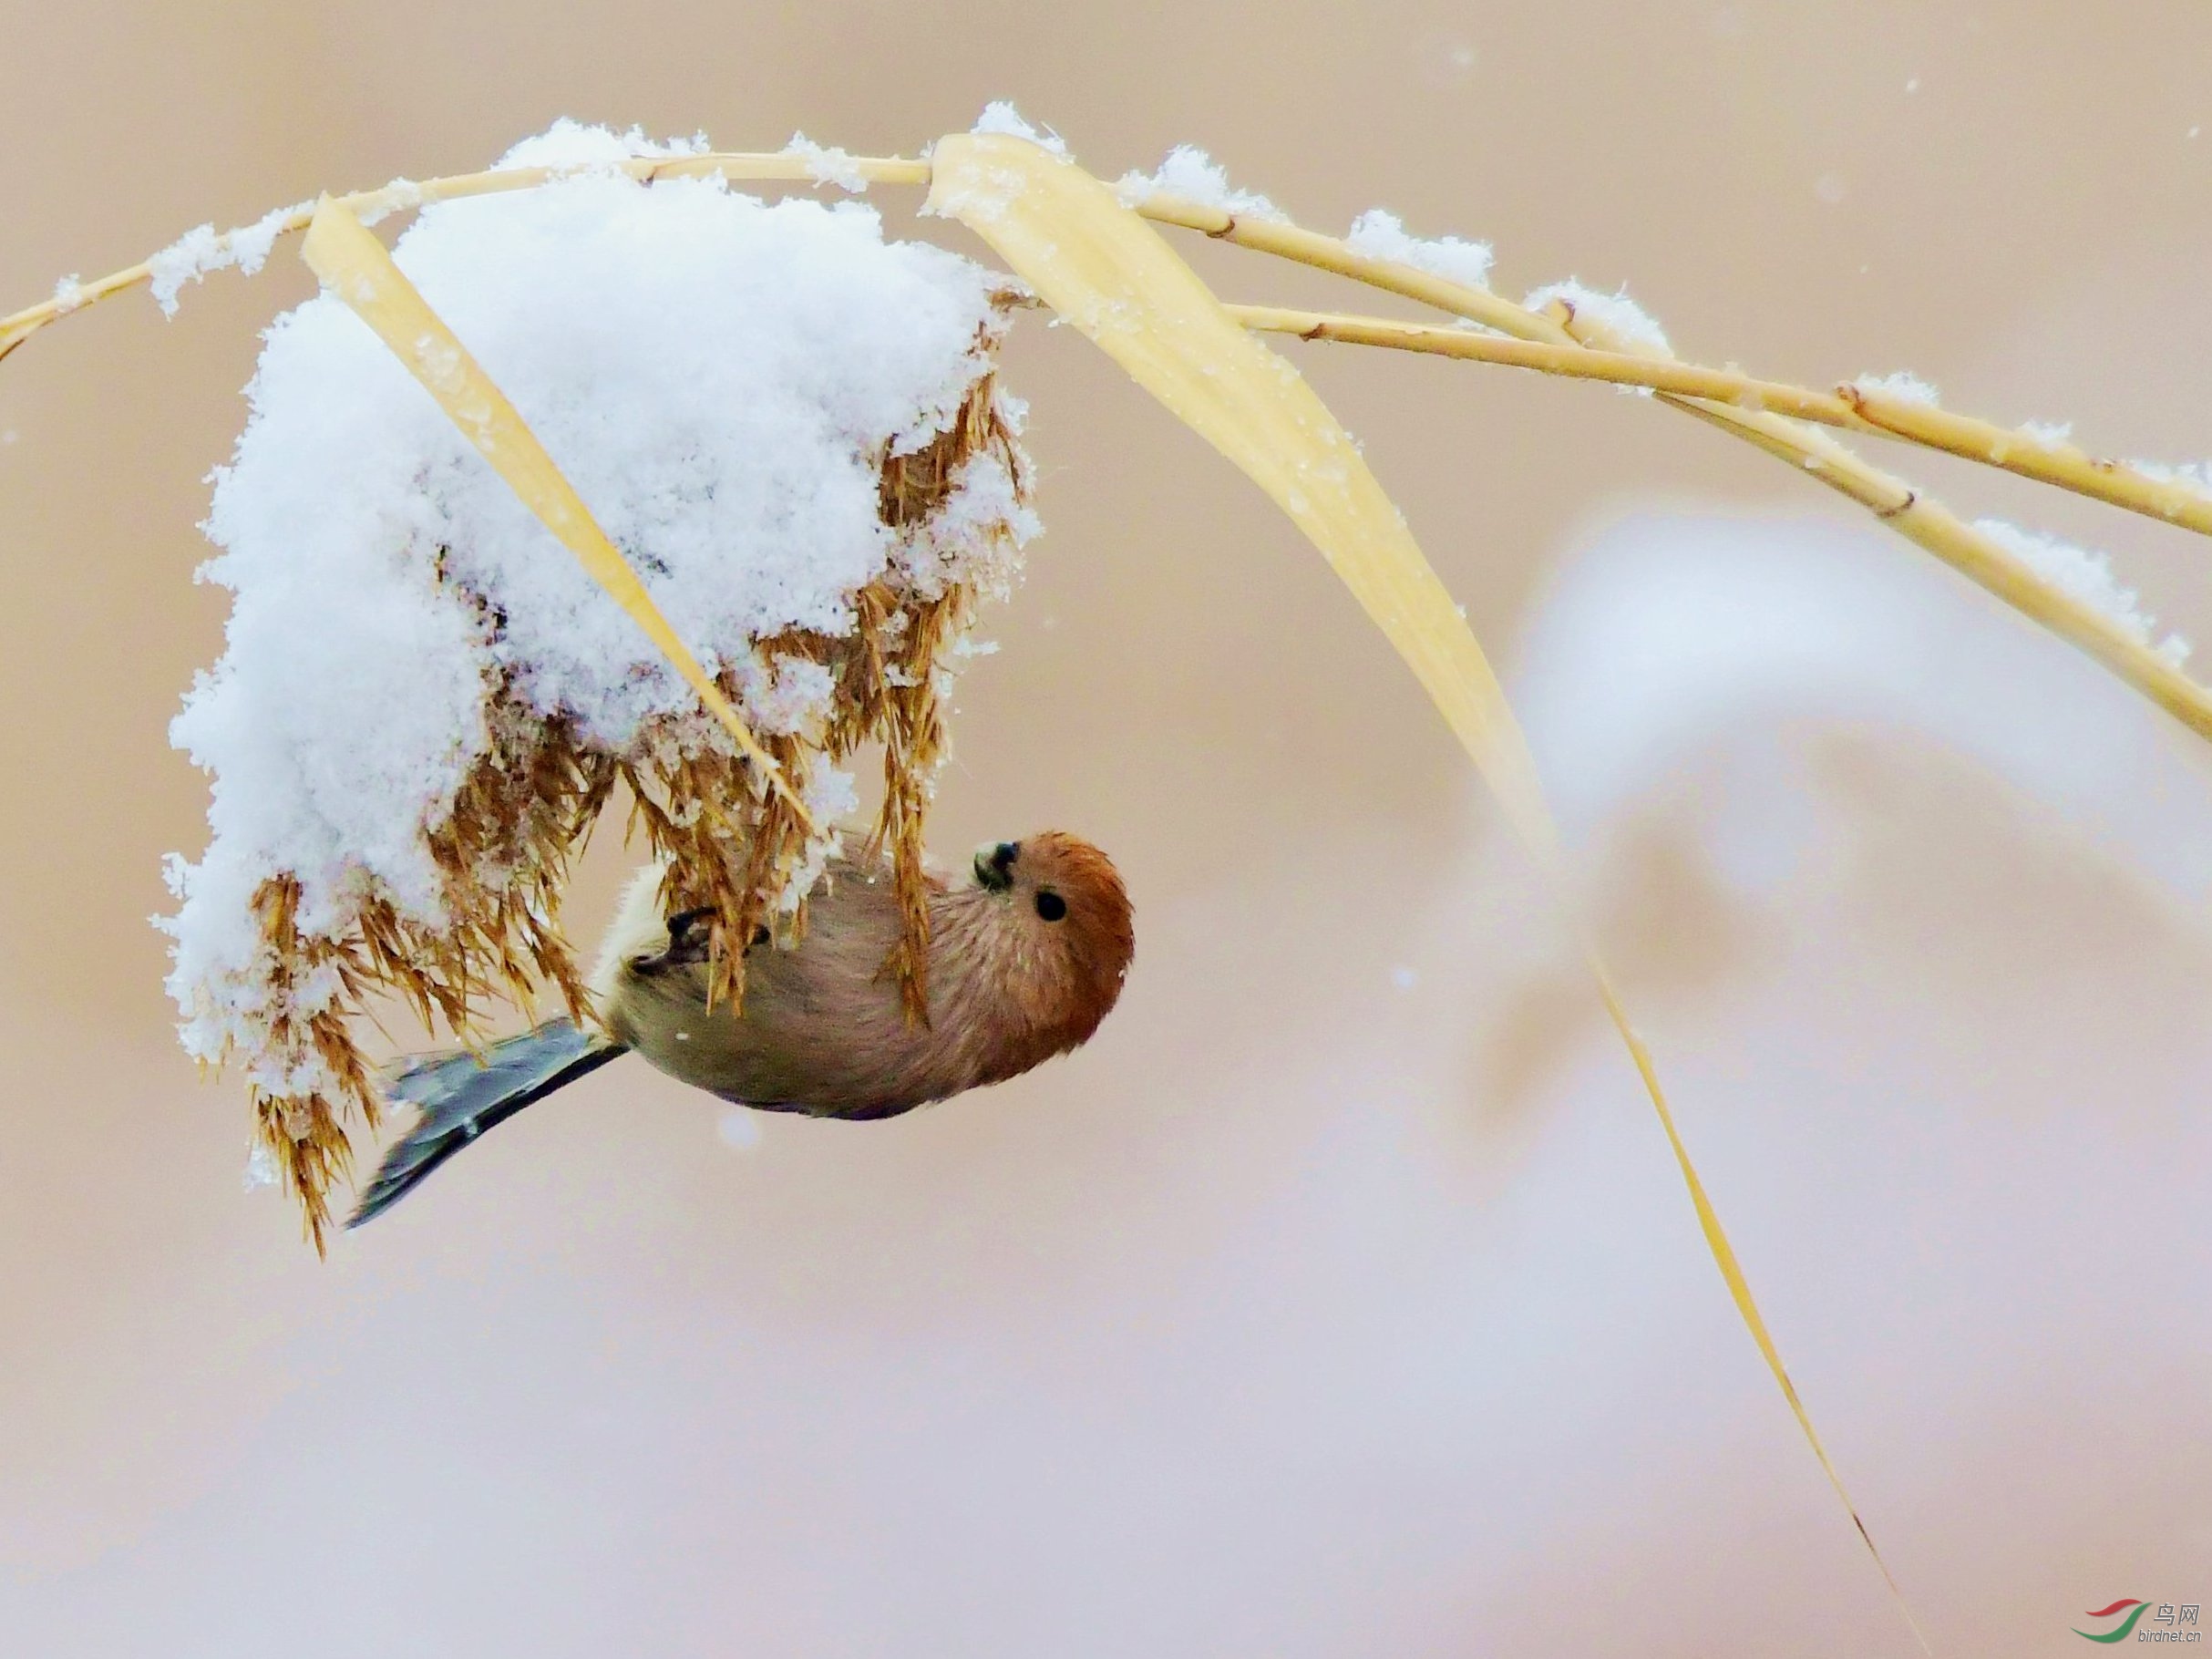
(994,865)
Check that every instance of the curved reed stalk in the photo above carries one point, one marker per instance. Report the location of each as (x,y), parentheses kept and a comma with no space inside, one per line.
(1770,415)
(1912,512)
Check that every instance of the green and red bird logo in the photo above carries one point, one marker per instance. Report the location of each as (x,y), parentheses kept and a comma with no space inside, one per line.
(2119,1632)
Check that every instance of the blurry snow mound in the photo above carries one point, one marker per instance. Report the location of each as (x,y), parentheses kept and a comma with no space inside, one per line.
(1670,646)
(790,427)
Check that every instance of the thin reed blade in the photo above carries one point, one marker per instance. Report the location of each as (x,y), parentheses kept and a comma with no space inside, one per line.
(1103,269)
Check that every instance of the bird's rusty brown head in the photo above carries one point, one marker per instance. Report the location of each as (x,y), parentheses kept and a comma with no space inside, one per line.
(1065,902)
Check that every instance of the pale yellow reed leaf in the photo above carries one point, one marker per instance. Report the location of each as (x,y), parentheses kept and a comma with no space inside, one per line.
(1103,269)
(352,264)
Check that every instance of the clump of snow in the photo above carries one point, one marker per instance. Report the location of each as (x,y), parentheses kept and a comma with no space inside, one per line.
(200,250)
(250,245)
(68,295)
(830,798)
(2086,576)
(1003,117)
(1621,324)
(1611,322)
(827,164)
(2188,475)
(261,1167)
(789,695)
(721,379)
(1382,235)
(572,146)
(2049,434)
(1903,385)
(1189,172)
(189,258)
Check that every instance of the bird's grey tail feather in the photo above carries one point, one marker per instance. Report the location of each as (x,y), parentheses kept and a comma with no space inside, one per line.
(461,1094)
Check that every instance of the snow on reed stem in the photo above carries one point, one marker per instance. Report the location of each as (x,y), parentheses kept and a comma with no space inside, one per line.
(1907,510)
(1444,271)
(1852,407)
(1101,268)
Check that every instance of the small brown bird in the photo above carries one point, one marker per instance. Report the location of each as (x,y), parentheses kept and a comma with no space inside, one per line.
(1025,960)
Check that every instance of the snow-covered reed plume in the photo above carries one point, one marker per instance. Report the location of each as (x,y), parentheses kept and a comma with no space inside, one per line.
(790,427)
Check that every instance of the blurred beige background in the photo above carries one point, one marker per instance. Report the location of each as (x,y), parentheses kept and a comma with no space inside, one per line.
(1339,1299)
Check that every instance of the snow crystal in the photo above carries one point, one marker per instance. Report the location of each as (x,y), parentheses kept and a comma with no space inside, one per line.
(1189,172)
(261,1167)
(827,164)
(1003,117)
(68,295)
(719,377)
(1904,385)
(199,251)
(1381,235)
(2086,576)
(2049,434)
(1621,324)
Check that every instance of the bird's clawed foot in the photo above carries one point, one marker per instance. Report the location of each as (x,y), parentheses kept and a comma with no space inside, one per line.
(691,934)
(691,942)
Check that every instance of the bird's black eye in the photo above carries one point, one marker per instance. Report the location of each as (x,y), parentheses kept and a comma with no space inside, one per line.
(1051,906)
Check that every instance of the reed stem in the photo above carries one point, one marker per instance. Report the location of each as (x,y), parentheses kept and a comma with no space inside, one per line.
(1851,408)
(1769,414)
(368,206)
(1912,512)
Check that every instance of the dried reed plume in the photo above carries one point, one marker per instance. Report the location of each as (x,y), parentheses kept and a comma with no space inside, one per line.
(731,843)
